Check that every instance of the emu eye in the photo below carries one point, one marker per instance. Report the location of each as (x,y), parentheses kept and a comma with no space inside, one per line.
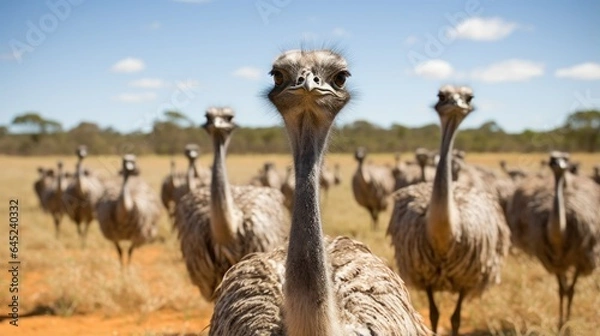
(277,77)
(228,118)
(441,96)
(469,98)
(340,79)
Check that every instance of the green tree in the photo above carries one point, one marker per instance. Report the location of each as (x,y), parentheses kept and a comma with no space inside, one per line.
(583,127)
(36,125)
(178,118)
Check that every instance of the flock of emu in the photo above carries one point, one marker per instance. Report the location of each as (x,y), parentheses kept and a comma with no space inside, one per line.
(258,250)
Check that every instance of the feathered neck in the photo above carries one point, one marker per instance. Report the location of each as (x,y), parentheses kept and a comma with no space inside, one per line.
(310,307)
(225,218)
(557,221)
(442,218)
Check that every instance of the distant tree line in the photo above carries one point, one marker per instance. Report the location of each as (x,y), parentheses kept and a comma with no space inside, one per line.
(32,134)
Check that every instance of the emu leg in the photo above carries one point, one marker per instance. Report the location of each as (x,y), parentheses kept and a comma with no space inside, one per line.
(434,314)
(84,233)
(561,294)
(57,227)
(570,294)
(120,252)
(172,219)
(455,319)
(130,252)
(375,219)
(80,233)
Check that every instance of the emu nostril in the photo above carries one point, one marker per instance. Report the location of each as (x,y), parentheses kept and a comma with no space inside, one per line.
(316,79)
(300,80)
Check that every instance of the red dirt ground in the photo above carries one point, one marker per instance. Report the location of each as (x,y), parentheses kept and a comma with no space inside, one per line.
(156,323)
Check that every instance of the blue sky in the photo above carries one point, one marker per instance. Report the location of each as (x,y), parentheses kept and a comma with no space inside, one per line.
(121,63)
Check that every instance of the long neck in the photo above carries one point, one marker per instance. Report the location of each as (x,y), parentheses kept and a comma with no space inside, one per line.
(125,199)
(442,217)
(363,171)
(398,162)
(59,182)
(224,216)
(191,175)
(79,175)
(309,303)
(557,221)
(172,174)
(422,166)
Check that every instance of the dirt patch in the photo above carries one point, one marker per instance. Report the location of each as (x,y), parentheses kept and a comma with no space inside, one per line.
(156,323)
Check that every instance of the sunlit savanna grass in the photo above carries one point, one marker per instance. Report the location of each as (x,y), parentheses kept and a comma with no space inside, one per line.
(60,278)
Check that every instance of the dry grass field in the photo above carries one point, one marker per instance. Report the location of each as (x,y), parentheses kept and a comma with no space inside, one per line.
(64,290)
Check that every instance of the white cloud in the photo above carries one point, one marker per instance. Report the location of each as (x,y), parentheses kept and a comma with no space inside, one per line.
(128,65)
(148,83)
(585,71)
(434,69)
(483,29)
(339,32)
(411,40)
(135,97)
(512,70)
(247,73)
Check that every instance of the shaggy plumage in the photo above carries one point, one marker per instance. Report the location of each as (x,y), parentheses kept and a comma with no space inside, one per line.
(372,298)
(207,261)
(267,177)
(372,185)
(82,195)
(51,195)
(220,224)
(44,181)
(409,174)
(177,185)
(449,236)
(558,226)
(168,186)
(501,187)
(473,260)
(129,209)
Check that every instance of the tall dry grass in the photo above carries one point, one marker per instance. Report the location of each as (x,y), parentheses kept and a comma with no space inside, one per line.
(58,277)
